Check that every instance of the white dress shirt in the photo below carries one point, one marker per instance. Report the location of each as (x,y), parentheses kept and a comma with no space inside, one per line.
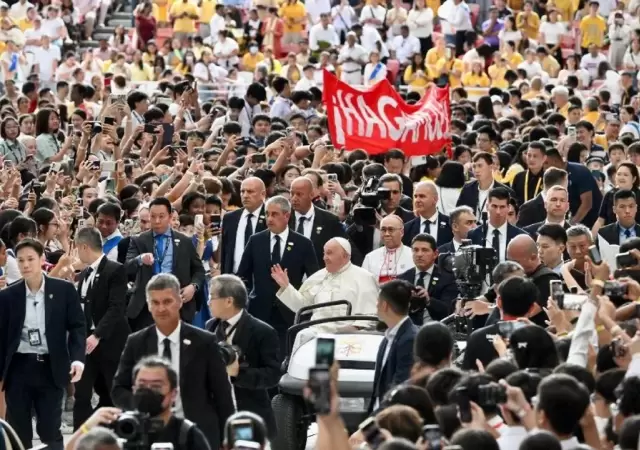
(34,319)
(174,338)
(89,282)
(233,321)
(378,12)
(483,200)
(420,22)
(308,223)
(319,33)
(405,47)
(512,437)
(240,243)
(223,50)
(283,241)
(503,240)
(216,25)
(460,17)
(433,226)
(316,7)
(427,277)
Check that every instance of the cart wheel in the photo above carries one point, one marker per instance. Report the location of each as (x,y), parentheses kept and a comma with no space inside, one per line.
(292,429)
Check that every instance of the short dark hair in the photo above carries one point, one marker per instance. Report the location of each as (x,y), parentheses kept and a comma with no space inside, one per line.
(21,225)
(541,440)
(161,201)
(487,157)
(90,236)
(555,232)
(433,344)
(499,193)
(397,294)
(156,362)
(563,399)
(33,244)
(472,383)
(111,210)
(553,177)
(471,439)
(441,383)
(623,194)
(517,295)
(394,153)
(424,237)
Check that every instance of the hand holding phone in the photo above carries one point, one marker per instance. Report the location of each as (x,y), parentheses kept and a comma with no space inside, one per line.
(594,255)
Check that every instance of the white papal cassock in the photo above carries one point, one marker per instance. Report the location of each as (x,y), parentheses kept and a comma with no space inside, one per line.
(387,264)
(350,283)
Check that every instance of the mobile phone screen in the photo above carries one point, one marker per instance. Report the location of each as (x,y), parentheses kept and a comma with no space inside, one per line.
(325,350)
(320,385)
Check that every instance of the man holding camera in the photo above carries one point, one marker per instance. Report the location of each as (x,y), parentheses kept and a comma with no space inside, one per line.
(255,364)
(205,392)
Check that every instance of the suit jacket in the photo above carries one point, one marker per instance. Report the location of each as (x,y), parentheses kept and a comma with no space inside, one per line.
(107,305)
(480,347)
(404,214)
(204,387)
(189,271)
(611,233)
(325,227)
(398,364)
(442,292)
(412,229)
(534,227)
(476,235)
(470,194)
(531,211)
(447,248)
(299,259)
(64,327)
(230,223)
(259,365)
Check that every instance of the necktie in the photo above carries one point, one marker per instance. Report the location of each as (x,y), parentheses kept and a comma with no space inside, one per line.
(86,279)
(496,242)
(627,233)
(221,331)
(300,228)
(159,256)
(427,227)
(275,253)
(166,352)
(248,229)
(421,277)
(87,305)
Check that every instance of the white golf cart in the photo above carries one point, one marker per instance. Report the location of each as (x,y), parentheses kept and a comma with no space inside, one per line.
(355,351)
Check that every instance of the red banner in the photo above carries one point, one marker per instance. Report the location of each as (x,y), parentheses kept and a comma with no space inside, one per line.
(377,119)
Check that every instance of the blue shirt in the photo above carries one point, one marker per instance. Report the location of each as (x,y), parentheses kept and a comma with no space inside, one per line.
(581,181)
(162,255)
(626,233)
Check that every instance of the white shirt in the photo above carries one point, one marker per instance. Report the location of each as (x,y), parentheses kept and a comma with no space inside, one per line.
(369,78)
(390,335)
(240,243)
(552,32)
(222,50)
(512,437)
(359,55)
(503,240)
(570,444)
(427,277)
(19,10)
(460,17)
(216,25)
(11,270)
(212,72)
(318,33)
(316,7)
(405,48)
(51,27)
(283,241)
(89,281)
(483,199)
(233,321)
(343,17)
(246,116)
(533,69)
(113,253)
(384,263)
(420,22)
(308,223)
(433,227)
(369,40)
(304,84)
(590,64)
(34,319)
(174,339)
(378,12)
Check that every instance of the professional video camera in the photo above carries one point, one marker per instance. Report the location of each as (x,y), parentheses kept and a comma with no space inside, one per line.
(470,265)
(135,428)
(230,353)
(369,198)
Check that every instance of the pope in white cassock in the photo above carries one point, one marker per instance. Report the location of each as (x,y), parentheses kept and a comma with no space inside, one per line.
(393,259)
(339,280)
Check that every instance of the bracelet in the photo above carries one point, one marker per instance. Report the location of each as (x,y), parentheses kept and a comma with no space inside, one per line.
(598,283)
(84,429)
(600,328)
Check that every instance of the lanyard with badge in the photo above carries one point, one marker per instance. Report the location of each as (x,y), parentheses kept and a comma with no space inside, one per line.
(526,186)
(33,334)
(160,258)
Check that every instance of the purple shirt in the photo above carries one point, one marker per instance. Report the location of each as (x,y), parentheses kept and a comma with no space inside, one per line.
(492,40)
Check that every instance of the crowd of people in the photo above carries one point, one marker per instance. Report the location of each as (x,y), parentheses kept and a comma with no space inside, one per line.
(157,242)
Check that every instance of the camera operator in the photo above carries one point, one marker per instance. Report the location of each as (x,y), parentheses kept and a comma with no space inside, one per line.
(516,299)
(245,426)
(255,365)
(393,183)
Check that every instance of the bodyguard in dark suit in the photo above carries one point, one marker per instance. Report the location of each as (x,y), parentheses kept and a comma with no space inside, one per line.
(102,287)
(532,230)
(516,298)
(395,354)
(556,205)
(238,226)
(498,232)
(437,289)
(474,193)
(258,366)
(42,346)
(162,250)
(292,251)
(533,210)
(205,395)
(429,220)
(313,223)
(625,208)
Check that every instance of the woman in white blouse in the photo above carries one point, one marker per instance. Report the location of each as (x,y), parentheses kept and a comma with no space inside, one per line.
(420,22)
(449,184)
(631,58)
(396,17)
(509,33)
(374,71)
(343,17)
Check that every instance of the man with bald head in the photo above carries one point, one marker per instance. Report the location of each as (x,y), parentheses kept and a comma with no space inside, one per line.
(339,280)
(311,221)
(428,220)
(239,225)
(388,262)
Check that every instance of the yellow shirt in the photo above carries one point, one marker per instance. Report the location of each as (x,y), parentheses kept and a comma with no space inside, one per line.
(473,80)
(593,30)
(601,140)
(207,9)
(515,5)
(528,25)
(138,74)
(591,117)
(106,65)
(289,13)
(24,24)
(514,60)
(160,10)
(434,5)
(565,8)
(565,110)
(249,61)
(551,66)
(533,94)
(186,24)
(497,76)
(454,66)
(433,55)
(417,82)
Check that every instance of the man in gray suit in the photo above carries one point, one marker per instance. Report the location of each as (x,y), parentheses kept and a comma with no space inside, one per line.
(159,251)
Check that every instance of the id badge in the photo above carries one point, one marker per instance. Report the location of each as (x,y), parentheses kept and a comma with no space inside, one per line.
(34,337)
